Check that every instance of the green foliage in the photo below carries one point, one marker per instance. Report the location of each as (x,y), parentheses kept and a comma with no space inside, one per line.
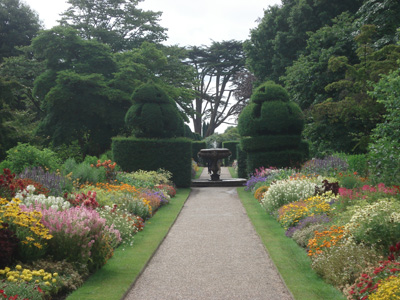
(302,236)
(342,264)
(83,172)
(72,150)
(19,25)
(384,150)
(173,155)
(27,156)
(153,114)
(269,128)
(120,24)
(241,162)
(231,145)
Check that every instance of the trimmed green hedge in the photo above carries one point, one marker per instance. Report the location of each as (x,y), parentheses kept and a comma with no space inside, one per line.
(270,142)
(242,162)
(231,145)
(174,155)
(196,147)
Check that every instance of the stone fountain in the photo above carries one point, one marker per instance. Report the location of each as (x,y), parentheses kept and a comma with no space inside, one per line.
(212,157)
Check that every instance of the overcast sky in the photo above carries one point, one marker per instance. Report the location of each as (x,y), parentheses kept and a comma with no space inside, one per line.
(188,22)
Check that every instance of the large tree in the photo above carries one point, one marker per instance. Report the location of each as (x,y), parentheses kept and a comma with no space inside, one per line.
(118,23)
(18,25)
(79,101)
(216,67)
(281,35)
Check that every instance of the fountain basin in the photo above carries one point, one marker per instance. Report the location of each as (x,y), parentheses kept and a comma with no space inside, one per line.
(212,157)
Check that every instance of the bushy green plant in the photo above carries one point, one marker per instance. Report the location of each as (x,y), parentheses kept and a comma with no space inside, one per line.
(153,114)
(22,291)
(376,224)
(142,178)
(83,172)
(285,191)
(302,236)
(341,264)
(136,207)
(25,156)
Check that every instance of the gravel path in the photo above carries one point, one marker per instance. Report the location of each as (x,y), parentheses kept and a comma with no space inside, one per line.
(211,252)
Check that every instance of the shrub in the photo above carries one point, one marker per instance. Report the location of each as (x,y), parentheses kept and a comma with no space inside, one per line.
(270,127)
(141,208)
(241,162)
(285,191)
(376,224)
(196,147)
(231,145)
(153,114)
(25,156)
(341,264)
(302,236)
(83,172)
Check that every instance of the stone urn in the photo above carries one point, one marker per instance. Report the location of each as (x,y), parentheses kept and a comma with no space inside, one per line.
(213,159)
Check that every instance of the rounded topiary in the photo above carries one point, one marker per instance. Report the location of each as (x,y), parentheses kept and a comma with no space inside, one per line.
(154,114)
(271,127)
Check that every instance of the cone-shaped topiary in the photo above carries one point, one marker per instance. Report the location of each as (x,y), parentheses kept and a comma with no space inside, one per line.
(270,127)
(153,114)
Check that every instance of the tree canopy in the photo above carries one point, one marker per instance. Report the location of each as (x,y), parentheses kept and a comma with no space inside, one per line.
(117,23)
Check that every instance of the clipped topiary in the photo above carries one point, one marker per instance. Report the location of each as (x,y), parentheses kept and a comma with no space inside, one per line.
(153,114)
(270,127)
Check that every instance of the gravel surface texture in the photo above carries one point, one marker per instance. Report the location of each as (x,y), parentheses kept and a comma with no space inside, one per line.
(211,252)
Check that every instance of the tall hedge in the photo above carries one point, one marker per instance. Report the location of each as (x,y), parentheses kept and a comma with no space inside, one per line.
(174,155)
(270,128)
(242,162)
(231,145)
(196,147)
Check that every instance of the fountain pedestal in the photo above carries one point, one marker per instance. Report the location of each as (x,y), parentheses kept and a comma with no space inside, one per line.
(212,157)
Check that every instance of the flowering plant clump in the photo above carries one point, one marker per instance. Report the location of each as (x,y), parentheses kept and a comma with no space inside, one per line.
(261,175)
(87,200)
(341,264)
(54,182)
(325,239)
(137,207)
(29,199)
(259,193)
(169,189)
(369,280)
(326,166)
(28,228)
(145,179)
(45,280)
(9,185)
(376,224)
(307,221)
(109,166)
(292,213)
(127,225)
(388,289)
(39,188)
(285,191)
(75,233)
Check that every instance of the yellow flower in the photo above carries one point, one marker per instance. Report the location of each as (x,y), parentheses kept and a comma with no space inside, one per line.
(53,280)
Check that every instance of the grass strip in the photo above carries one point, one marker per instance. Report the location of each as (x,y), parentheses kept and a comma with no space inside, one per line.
(116,277)
(233,172)
(291,260)
(198,173)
